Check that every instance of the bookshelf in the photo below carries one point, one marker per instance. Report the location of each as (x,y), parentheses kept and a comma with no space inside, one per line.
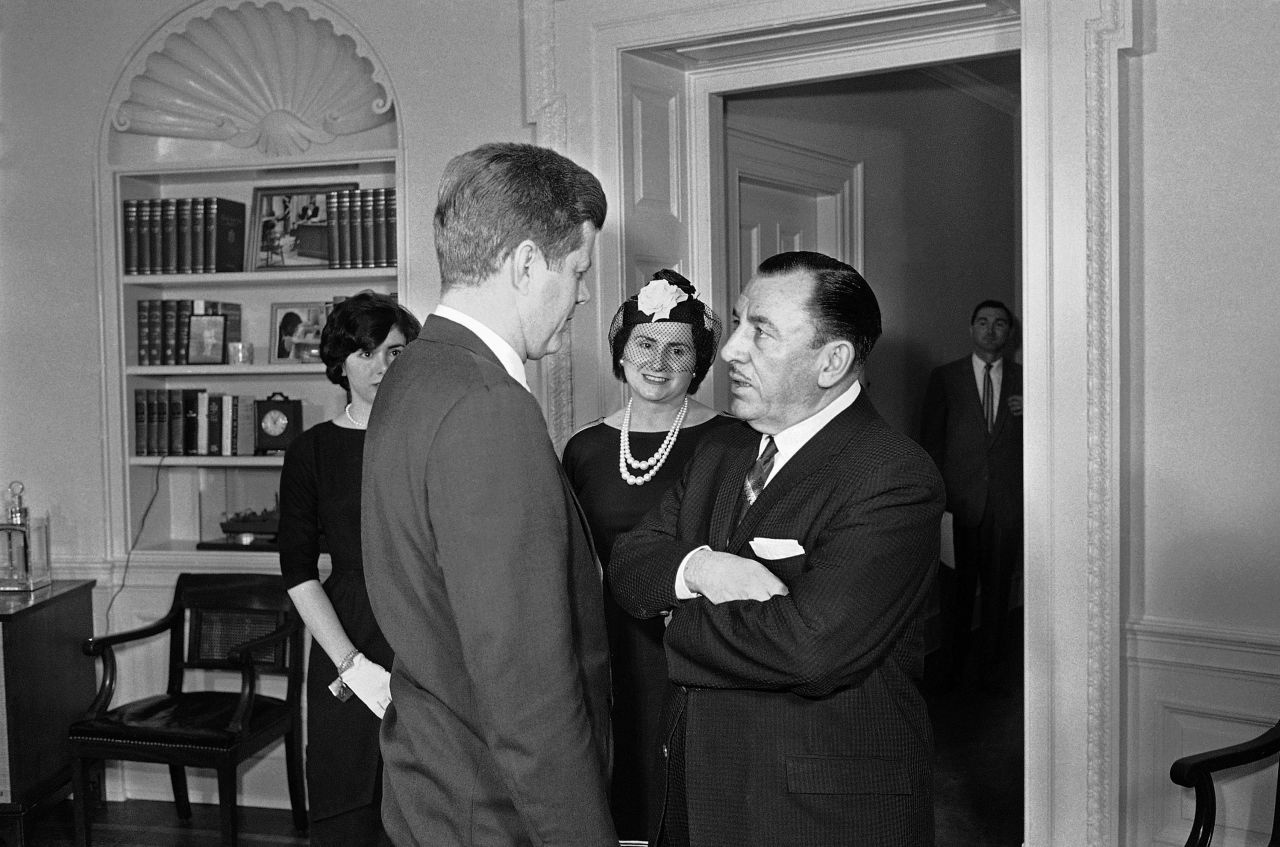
(165,501)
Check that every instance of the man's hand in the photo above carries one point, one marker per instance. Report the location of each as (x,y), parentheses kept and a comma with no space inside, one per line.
(723,576)
(1015,404)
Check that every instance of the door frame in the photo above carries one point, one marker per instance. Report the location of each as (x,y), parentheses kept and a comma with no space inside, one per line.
(1071,252)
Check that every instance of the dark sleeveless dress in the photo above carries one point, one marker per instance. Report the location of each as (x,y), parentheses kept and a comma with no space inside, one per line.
(639,666)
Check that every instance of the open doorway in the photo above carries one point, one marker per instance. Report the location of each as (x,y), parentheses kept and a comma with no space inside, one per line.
(912,176)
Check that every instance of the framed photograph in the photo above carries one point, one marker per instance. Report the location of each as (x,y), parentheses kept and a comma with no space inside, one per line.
(206,340)
(295,332)
(289,227)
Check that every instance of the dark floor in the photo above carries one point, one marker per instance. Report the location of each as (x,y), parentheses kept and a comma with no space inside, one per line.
(978,732)
(978,785)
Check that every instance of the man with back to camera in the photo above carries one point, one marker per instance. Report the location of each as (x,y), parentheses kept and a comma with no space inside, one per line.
(972,427)
(479,566)
(793,558)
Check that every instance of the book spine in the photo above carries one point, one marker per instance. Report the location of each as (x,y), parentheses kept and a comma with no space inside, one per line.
(331,225)
(197,235)
(379,227)
(169,233)
(391,227)
(162,422)
(202,422)
(185,248)
(169,332)
(176,445)
(227,425)
(153,420)
(130,237)
(155,343)
(139,421)
(344,228)
(213,447)
(157,237)
(245,424)
(226,218)
(186,308)
(144,332)
(210,234)
(366,229)
(190,426)
(232,330)
(144,237)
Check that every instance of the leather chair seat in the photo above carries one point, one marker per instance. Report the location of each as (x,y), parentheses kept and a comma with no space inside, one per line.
(195,719)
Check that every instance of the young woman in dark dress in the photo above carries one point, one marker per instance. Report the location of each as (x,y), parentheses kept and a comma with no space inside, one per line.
(662,341)
(347,679)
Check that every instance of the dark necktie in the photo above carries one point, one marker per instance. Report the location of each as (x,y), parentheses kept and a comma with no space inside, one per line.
(757,476)
(988,399)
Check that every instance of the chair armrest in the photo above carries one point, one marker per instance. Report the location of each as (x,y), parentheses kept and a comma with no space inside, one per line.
(104,646)
(95,645)
(1189,770)
(242,655)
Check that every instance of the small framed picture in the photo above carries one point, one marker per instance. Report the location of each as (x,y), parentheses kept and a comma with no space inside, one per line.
(206,340)
(289,226)
(295,332)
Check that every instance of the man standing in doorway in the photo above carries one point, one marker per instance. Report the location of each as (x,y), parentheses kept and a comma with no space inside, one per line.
(972,426)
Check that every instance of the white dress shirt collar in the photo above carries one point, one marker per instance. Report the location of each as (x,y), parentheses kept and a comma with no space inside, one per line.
(506,354)
(997,373)
(791,439)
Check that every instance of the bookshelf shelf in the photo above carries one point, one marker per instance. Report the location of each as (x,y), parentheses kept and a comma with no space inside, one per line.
(273,279)
(224,370)
(165,501)
(273,461)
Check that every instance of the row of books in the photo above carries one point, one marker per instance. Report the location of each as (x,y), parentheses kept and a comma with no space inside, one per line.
(362,227)
(192,422)
(183,235)
(164,330)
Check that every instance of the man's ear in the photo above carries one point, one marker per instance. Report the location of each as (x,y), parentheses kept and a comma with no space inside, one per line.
(523,260)
(835,362)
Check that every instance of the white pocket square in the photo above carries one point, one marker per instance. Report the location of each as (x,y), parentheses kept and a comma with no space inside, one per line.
(776,548)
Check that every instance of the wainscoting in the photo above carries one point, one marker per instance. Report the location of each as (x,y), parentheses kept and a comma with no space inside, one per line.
(1191,689)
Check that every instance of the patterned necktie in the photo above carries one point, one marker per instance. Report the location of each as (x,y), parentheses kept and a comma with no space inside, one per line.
(988,399)
(757,476)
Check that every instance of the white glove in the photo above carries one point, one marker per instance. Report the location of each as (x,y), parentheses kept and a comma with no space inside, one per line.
(371,682)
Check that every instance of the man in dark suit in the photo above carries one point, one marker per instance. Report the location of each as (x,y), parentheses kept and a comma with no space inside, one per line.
(479,565)
(793,559)
(972,427)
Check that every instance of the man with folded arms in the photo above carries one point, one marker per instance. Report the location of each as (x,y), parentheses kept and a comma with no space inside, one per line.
(793,559)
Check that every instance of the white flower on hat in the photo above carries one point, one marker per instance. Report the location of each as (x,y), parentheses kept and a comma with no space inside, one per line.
(658,298)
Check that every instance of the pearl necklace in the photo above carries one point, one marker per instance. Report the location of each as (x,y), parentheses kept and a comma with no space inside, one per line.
(357,424)
(654,462)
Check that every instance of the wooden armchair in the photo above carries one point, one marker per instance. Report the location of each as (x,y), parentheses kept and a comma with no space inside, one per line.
(1197,772)
(237,622)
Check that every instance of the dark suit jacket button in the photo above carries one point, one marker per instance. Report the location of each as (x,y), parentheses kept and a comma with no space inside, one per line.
(664,751)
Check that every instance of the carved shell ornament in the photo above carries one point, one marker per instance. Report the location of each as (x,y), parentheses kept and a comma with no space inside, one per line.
(256,76)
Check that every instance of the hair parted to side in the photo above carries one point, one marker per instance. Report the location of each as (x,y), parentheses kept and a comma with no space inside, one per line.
(500,194)
(991,304)
(361,322)
(843,305)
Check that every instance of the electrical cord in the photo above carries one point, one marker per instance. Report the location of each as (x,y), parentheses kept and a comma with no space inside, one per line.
(142,523)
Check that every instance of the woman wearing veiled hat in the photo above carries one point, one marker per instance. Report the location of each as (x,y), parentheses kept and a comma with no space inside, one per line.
(663,341)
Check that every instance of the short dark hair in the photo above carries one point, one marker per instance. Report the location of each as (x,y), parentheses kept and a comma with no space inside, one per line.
(497,195)
(361,322)
(991,304)
(842,304)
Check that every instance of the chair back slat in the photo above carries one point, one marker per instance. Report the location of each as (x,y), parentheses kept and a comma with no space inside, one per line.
(215,632)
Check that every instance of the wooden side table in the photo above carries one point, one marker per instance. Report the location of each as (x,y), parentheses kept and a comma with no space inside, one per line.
(45,683)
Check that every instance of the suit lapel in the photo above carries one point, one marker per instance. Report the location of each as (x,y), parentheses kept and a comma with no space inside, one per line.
(733,472)
(807,461)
